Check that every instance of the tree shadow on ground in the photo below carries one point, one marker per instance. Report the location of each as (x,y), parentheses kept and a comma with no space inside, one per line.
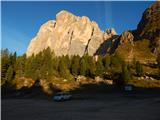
(102,91)
(86,91)
(35,92)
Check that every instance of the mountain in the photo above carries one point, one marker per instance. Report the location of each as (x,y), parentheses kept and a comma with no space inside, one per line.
(144,42)
(149,26)
(74,35)
(70,35)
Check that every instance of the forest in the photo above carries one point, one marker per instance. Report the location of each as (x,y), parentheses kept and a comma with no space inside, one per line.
(46,66)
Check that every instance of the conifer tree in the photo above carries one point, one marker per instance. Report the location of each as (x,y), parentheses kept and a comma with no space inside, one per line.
(86,59)
(67,61)
(29,68)
(83,67)
(116,62)
(75,65)
(126,74)
(63,70)
(55,63)
(4,64)
(91,67)
(99,66)
(10,74)
(106,61)
(20,66)
(139,69)
(158,60)
(12,58)
(46,68)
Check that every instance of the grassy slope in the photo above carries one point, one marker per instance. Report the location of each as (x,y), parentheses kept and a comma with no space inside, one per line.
(139,50)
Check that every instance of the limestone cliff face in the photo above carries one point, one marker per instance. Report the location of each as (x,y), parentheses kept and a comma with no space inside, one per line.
(69,34)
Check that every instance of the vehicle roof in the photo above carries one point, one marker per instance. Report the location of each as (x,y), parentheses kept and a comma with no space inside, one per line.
(58,93)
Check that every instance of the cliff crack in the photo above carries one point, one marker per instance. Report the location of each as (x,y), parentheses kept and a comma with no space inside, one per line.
(86,49)
(70,40)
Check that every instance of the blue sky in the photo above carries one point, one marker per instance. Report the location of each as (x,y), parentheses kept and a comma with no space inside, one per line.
(21,20)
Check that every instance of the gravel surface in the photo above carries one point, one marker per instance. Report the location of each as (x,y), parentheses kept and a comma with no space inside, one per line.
(102,107)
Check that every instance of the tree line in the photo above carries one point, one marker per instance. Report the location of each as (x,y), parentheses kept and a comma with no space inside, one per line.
(45,65)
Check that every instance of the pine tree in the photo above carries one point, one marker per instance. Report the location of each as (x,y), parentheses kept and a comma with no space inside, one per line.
(75,65)
(20,66)
(4,64)
(139,69)
(134,62)
(10,74)
(67,61)
(91,67)
(158,60)
(116,62)
(106,62)
(83,67)
(99,66)
(86,58)
(12,58)
(29,68)
(46,64)
(63,70)
(126,74)
(55,63)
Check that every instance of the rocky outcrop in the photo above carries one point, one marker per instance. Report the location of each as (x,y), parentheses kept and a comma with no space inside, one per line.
(126,36)
(23,82)
(110,33)
(69,35)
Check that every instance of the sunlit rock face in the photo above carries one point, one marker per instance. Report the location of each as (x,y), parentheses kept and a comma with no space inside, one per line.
(69,35)
(126,36)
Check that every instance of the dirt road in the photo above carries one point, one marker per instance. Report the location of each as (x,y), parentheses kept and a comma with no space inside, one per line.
(109,107)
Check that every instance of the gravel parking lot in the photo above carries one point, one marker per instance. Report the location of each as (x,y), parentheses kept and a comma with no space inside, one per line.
(102,107)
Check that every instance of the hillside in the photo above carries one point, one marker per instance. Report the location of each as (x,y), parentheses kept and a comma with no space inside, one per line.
(143,43)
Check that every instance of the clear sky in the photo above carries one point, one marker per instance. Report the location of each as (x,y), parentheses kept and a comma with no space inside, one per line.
(21,20)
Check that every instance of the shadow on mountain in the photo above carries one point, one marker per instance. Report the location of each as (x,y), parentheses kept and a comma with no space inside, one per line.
(108,46)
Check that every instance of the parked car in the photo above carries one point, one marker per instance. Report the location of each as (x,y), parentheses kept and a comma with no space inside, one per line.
(128,88)
(62,96)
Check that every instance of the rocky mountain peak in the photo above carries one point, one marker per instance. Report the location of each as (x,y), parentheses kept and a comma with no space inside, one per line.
(63,13)
(69,35)
(111,31)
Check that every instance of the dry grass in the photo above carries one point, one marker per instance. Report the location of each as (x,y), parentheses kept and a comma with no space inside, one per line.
(145,83)
(139,50)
